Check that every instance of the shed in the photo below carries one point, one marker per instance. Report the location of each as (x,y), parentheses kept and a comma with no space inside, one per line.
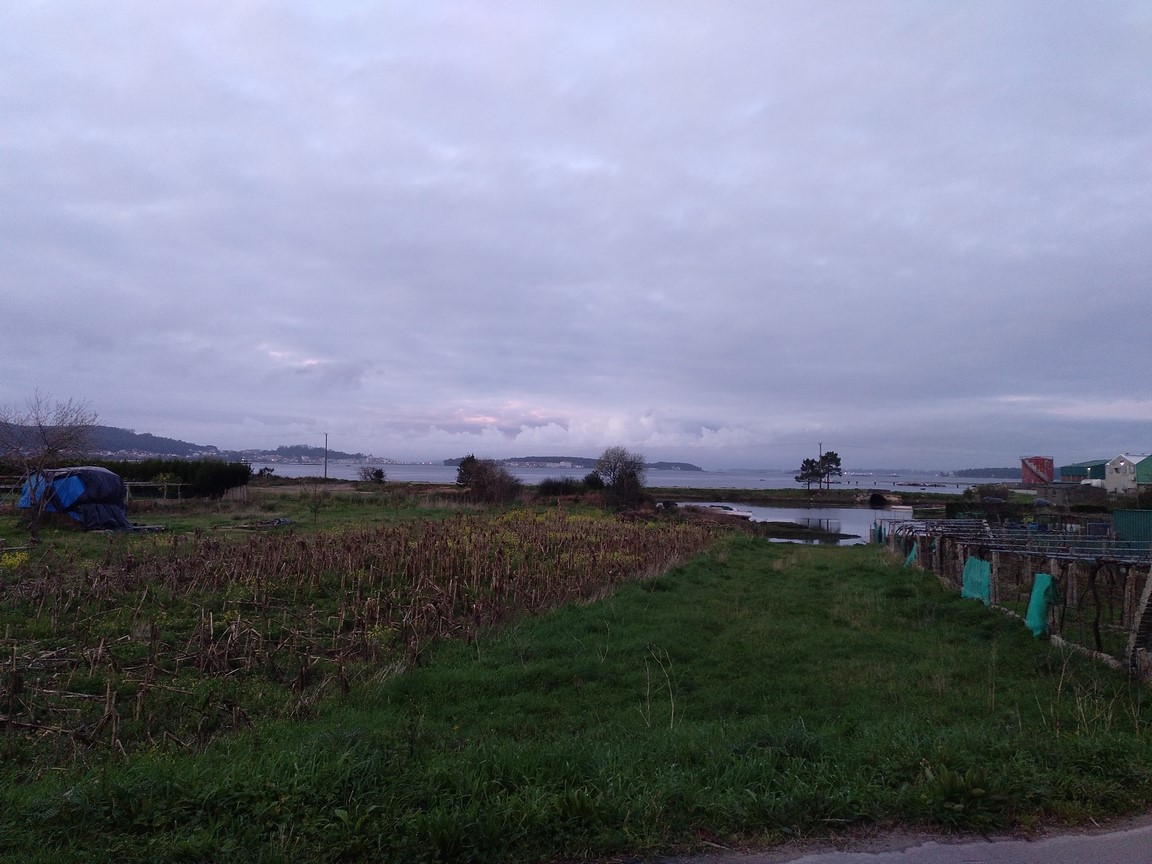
(92,496)
(1133,526)
(1081,471)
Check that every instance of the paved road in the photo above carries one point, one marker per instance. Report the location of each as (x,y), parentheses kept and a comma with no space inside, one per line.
(1130,844)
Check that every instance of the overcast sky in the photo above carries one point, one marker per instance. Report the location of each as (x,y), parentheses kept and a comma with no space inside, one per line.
(916,233)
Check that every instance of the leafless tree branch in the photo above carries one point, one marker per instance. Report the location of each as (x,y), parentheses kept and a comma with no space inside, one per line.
(42,434)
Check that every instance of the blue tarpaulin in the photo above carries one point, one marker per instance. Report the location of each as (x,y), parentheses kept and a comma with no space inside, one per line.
(92,496)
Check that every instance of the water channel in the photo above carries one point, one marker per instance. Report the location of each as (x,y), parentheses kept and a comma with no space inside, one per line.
(857,521)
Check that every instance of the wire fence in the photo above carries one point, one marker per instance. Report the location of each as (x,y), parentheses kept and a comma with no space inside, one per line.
(1102,584)
(152,489)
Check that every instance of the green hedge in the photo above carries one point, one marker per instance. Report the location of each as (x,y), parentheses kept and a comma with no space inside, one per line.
(206,478)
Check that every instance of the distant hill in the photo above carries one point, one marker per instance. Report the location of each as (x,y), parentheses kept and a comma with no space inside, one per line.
(302,452)
(673,466)
(111,439)
(576,462)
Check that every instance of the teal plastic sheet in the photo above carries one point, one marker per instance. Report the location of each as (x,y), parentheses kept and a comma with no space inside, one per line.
(911,559)
(976,583)
(1043,596)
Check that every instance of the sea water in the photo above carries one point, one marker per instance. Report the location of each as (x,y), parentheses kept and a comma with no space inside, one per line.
(856,522)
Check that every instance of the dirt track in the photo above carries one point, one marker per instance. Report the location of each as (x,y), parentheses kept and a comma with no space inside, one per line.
(1127,842)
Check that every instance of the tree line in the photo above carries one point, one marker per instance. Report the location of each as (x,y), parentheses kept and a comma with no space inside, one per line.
(619,473)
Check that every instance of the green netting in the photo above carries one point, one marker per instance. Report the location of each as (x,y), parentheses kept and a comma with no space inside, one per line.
(911,559)
(977,580)
(1043,596)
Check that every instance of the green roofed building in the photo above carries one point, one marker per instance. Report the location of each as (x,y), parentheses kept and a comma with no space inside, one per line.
(1144,472)
(1081,471)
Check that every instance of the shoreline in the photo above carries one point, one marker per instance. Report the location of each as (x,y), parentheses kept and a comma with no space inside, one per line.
(847,498)
(801,497)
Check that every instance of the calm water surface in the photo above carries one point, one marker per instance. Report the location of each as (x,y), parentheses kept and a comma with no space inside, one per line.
(841,520)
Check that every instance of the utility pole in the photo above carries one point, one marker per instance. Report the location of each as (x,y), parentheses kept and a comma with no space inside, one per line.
(325,455)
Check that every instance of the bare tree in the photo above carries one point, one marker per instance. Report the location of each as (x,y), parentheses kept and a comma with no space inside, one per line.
(623,473)
(315,494)
(43,434)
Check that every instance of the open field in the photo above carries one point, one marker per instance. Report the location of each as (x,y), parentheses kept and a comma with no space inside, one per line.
(423,681)
(108,638)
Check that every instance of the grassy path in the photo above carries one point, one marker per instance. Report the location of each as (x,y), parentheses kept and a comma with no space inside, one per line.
(762,692)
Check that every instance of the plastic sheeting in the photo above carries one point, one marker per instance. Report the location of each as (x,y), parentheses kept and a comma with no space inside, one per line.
(92,496)
(911,559)
(1043,596)
(976,581)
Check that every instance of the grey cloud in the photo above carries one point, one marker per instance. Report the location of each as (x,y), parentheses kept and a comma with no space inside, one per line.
(722,231)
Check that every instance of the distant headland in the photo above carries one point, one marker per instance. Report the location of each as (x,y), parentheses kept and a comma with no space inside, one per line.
(114,442)
(576,462)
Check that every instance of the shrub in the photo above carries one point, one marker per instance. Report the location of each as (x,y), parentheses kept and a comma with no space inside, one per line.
(206,478)
(623,474)
(552,486)
(489,481)
(213,477)
(1088,508)
(466,470)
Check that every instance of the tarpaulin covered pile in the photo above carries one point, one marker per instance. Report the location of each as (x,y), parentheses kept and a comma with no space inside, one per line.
(92,496)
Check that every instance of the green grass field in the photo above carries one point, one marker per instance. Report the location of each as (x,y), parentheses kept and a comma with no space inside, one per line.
(757,693)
